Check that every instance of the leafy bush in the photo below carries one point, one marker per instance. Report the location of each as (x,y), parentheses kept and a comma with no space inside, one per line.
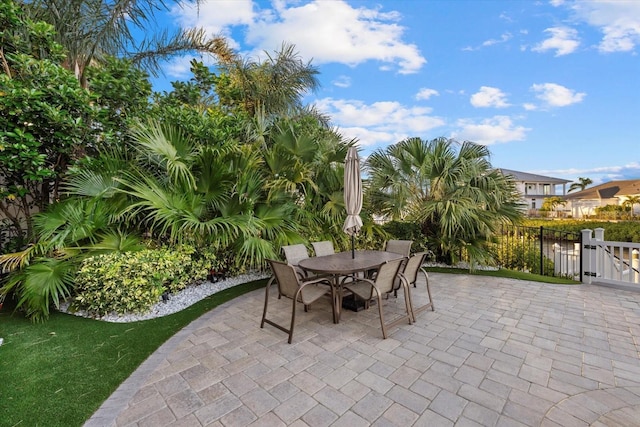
(407,231)
(133,282)
(519,255)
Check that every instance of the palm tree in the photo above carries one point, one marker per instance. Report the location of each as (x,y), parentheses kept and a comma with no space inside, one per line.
(551,203)
(450,188)
(92,30)
(43,273)
(631,201)
(580,185)
(273,87)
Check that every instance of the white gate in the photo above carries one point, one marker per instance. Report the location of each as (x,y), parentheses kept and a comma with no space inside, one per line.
(614,263)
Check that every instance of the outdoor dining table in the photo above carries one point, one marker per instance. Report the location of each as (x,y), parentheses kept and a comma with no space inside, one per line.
(344,264)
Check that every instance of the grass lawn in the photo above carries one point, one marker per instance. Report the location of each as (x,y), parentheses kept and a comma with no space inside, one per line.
(511,274)
(58,373)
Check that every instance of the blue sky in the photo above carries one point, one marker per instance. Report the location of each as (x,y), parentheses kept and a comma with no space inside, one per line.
(551,87)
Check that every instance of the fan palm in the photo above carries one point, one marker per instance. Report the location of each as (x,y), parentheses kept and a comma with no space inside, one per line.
(450,188)
(43,273)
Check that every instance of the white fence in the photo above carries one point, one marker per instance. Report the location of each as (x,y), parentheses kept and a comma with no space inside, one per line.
(566,261)
(614,263)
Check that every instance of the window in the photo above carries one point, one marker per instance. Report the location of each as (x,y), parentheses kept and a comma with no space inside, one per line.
(546,189)
(533,203)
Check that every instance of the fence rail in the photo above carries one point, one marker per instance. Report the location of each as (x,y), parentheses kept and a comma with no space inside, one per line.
(616,263)
(584,256)
(539,250)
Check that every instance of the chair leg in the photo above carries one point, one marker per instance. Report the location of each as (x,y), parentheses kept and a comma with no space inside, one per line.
(384,329)
(409,306)
(426,277)
(293,319)
(408,302)
(266,300)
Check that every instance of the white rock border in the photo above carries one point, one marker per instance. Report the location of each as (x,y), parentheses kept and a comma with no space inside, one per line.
(176,302)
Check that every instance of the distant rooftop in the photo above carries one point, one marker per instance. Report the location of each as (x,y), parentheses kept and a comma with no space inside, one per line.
(531,177)
(608,190)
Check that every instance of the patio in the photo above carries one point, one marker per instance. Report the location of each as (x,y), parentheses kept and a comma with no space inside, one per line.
(495,352)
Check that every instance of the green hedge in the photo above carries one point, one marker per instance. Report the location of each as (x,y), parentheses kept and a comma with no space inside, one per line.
(618,231)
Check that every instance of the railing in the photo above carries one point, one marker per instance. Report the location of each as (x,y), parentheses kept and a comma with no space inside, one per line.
(539,250)
(608,262)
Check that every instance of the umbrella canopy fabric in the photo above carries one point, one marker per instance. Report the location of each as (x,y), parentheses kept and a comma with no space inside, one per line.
(352,192)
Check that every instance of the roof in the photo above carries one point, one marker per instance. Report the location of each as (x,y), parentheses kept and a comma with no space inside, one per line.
(531,177)
(608,190)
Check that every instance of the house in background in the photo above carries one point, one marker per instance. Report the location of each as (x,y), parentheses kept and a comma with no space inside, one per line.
(584,203)
(535,188)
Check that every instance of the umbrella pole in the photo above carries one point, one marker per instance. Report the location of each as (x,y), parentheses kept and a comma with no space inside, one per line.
(353,250)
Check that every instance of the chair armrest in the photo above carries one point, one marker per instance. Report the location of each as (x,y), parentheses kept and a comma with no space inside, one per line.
(361,280)
(315,280)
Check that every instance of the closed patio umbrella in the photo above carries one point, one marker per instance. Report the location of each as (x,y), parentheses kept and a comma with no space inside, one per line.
(352,195)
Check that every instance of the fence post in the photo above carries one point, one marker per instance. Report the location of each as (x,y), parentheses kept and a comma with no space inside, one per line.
(557,259)
(541,250)
(576,261)
(588,257)
(602,267)
(635,264)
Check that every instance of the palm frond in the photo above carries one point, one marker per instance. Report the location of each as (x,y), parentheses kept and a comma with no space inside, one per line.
(168,148)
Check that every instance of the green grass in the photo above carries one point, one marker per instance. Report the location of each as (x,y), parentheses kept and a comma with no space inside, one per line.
(58,373)
(511,274)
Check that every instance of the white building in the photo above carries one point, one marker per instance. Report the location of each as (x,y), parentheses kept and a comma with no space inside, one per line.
(535,188)
(584,203)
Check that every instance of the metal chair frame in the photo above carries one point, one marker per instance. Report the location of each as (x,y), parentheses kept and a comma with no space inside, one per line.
(290,286)
(412,269)
(386,276)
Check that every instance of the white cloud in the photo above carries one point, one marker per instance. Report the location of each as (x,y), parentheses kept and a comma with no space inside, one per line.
(342,81)
(563,40)
(180,67)
(498,129)
(380,122)
(555,95)
(503,38)
(215,17)
(489,97)
(334,31)
(426,93)
(598,174)
(619,22)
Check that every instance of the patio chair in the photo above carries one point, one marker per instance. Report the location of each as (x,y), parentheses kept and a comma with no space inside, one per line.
(402,247)
(323,248)
(367,289)
(293,254)
(290,286)
(412,269)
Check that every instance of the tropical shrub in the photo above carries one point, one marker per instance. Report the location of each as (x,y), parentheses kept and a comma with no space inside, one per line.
(120,283)
(407,231)
(45,118)
(450,188)
(133,282)
(519,254)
